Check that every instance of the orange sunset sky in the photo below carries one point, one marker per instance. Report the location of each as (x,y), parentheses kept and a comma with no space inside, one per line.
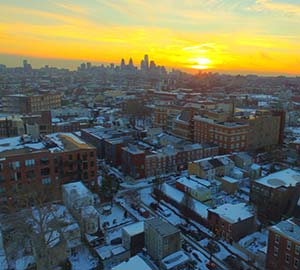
(230,36)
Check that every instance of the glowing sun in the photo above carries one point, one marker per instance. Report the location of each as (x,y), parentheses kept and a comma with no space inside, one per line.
(201,63)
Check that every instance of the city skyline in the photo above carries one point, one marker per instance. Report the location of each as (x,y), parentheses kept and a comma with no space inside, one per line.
(219,36)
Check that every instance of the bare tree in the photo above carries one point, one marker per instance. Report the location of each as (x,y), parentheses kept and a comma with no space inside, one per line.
(136,109)
(187,203)
(158,185)
(33,225)
(134,197)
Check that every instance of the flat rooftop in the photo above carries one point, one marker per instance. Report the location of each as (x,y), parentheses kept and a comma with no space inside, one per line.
(162,227)
(221,124)
(134,263)
(134,228)
(289,228)
(284,178)
(232,213)
(56,142)
(77,187)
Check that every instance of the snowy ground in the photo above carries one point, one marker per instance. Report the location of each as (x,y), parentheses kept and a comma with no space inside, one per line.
(115,218)
(255,242)
(83,259)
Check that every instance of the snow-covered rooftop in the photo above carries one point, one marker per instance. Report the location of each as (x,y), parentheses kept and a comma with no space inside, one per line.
(175,260)
(284,178)
(55,142)
(230,179)
(232,213)
(177,196)
(77,187)
(255,242)
(290,228)
(133,263)
(134,228)
(192,184)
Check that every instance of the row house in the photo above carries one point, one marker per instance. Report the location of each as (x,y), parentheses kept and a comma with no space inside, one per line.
(191,152)
(160,163)
(133,161)
(231,221)
(80,201)
(194,188)
(113,151)
(209,168)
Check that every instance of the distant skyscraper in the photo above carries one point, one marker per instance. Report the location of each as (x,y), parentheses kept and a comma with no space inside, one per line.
(152,65)
(123,63)
(25,63)
(146,60)
(88,65)
(130,64)
(143,65)
(26,66)
(82,66)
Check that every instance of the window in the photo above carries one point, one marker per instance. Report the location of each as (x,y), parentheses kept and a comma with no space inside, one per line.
(91,154)
(288,245)
(45,171)
(46,181)
(277,238)
(30,174)
(287,258)
(275,251)
(14,165)
(297,250)
(15,176)
(29,162)
(2,189)
(44,161)
(296,263)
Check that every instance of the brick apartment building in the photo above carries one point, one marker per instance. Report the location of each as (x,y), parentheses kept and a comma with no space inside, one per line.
(113,151)
(183,124)
(164,115)
(55,158)
(229,136)
(284,245)
(276,195)
(266,128)
(12,126)
(97,136)
(19,103)
(133,161)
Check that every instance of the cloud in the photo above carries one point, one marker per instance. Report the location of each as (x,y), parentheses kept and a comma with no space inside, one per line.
(201,47)
(72,8)
(262,5)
